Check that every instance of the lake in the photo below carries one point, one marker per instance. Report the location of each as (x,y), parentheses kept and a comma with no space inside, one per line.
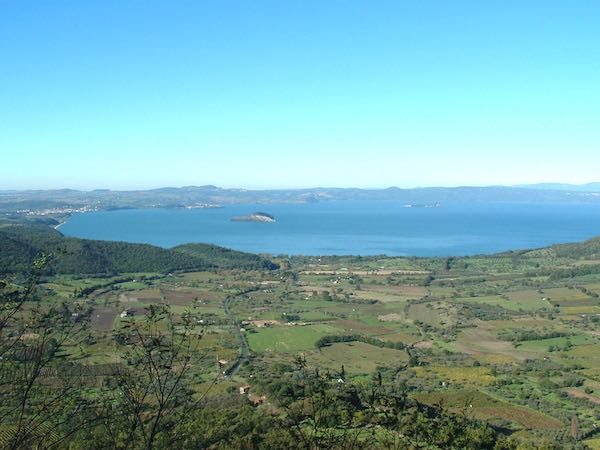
(341,228)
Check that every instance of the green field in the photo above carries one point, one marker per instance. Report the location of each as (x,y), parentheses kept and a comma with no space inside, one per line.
(288,339)
(356,357)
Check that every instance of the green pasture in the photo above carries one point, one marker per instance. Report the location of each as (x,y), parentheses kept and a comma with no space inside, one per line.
(288,339)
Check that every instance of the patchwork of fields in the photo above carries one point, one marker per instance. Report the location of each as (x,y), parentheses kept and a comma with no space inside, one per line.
(496,338)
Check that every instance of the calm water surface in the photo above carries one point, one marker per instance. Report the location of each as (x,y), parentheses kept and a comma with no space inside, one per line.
(351,227)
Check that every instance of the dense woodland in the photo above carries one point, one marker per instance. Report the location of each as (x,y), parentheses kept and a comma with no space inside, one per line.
(21,244)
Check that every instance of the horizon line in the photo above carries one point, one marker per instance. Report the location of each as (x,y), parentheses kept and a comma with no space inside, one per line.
(378,188)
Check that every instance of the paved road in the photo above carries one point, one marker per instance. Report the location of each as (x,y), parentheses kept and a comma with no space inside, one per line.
(244,349)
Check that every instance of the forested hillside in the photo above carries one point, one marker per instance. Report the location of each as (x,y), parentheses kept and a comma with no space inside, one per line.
(225,258)
(20,244)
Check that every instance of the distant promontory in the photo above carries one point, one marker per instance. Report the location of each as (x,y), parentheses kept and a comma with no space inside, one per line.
(254,217)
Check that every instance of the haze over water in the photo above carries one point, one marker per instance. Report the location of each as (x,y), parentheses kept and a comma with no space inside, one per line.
(351,228)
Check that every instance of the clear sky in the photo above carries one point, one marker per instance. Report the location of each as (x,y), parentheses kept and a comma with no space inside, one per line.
(250,93)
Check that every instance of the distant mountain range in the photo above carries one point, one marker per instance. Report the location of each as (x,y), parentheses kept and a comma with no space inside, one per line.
(65,201)
(589,187)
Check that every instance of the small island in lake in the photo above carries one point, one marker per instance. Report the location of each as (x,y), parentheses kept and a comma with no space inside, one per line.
(254,217)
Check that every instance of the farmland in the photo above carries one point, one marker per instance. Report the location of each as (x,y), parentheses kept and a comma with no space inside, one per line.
(505,339)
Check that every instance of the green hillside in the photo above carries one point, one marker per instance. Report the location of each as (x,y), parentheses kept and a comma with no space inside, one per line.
(586,249)
(20,244)
(226,258)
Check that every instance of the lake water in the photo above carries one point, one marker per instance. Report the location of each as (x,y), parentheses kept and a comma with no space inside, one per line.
(351,227)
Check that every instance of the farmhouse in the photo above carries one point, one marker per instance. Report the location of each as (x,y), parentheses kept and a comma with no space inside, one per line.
(127,313)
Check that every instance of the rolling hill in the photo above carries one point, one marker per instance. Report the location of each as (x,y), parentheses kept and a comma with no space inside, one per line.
(21,244)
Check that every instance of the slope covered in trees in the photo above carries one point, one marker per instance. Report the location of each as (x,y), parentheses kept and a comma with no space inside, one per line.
(20,244)
(226,258)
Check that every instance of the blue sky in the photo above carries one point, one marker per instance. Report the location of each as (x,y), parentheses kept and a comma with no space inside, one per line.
(141,94)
